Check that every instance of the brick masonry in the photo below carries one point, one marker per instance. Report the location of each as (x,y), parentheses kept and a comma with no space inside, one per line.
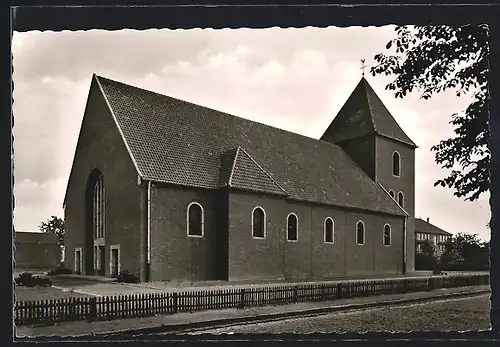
(101,147)
(310,256)
(227,250)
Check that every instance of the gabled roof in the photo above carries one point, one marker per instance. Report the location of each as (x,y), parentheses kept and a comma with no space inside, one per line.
(177,142)
(421,226)
(240,170)
(364,114)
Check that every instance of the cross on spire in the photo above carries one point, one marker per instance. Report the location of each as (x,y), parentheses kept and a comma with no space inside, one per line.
(363,67)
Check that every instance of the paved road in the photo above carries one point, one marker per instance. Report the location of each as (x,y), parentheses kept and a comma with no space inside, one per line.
(461,314)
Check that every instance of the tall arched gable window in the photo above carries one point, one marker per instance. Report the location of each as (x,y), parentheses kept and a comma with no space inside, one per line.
(258,223)
(387,235)
(99,209)
(401,199)
(360,233)
(329,230)
(391,193)
(292,223)
(396,164)
(195,220)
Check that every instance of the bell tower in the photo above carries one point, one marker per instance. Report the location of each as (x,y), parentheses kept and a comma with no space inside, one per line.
(370,135)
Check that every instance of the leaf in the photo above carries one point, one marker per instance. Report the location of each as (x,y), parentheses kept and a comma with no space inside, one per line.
(389,44)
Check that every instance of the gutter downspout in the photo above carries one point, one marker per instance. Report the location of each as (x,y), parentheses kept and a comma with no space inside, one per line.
(405,232)
(148,231)
(405,246)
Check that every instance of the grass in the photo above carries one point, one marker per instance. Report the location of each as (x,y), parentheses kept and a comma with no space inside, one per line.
(42,293)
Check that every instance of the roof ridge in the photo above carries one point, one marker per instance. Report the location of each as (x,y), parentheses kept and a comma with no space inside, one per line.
(229,181)
(368,100)
(215,110)
(264,171)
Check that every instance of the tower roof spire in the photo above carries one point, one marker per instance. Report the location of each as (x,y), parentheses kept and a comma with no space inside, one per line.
(364,114)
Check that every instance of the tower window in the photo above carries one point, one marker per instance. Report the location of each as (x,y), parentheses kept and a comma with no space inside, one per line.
(401,199)
(396,164)
(391,193)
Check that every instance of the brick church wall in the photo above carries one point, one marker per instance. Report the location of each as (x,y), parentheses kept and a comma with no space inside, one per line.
(101,147)
(310,257)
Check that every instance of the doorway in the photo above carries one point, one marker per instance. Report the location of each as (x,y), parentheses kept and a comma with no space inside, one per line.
(102,261)
(78,261)
(115,261)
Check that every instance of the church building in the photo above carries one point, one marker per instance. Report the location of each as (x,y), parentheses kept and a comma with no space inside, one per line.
(169,190)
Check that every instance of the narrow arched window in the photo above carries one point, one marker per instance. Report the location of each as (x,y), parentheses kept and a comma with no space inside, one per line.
(258,223)
(401,199)
(292,233)
(195,220)
(99,209)
(396,164)
(387,235)
(360,233)
(329,230)
(391,193)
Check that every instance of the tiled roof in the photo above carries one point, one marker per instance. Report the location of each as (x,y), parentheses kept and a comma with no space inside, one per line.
(178,142)
(247,174)
(422,226)
(364,114)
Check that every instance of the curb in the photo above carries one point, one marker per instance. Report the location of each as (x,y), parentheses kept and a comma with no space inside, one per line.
(227,322)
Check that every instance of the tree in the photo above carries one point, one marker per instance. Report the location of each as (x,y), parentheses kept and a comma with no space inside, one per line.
(54,225)
(425,258)
(467,252)
(432,59)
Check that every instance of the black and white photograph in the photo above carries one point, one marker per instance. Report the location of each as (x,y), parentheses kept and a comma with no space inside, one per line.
(250,181)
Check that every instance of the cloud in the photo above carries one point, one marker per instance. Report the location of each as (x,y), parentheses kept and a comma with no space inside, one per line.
(295,79)
(36,202)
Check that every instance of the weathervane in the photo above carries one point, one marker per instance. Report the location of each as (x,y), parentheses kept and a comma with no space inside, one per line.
(363,67)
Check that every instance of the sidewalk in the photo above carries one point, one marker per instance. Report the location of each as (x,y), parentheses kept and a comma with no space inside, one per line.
(104,286)
(210,319)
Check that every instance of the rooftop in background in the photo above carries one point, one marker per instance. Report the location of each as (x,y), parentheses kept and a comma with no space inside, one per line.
(422,226)
(34,237)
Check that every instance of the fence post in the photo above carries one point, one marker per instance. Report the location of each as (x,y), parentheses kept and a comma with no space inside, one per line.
(242,298)
(93,309)
(176,302)
(405,286)
(431,283)
(295,293)
(339,290)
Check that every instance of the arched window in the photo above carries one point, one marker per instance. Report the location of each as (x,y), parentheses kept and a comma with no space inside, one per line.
(329,230)
(391,193)
(258,223)
(195,220)
(387,235)
(292,233)
(99,209)
(401,199)
(360,233)
(396,164)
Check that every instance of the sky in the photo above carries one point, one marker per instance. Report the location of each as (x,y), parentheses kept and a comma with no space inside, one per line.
(294,79)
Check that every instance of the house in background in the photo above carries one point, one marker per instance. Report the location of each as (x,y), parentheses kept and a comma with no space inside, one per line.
(172,190)
(424,230)
(36,250)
